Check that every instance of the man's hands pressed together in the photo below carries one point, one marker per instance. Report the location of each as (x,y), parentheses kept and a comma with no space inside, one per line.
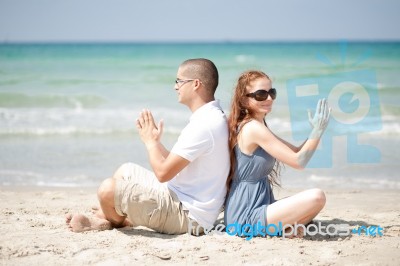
(149,133)
(164,164)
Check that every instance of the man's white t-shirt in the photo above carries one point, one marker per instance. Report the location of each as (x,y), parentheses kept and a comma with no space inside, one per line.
(201,186)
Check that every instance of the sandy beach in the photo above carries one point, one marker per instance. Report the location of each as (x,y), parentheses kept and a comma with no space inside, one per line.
(33,232)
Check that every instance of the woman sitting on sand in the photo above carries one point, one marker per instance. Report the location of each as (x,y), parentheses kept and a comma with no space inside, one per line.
(255,156)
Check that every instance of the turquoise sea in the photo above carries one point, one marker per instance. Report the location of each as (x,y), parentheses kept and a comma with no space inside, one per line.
(67,111)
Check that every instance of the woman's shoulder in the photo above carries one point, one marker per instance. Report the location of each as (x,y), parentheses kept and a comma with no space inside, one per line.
(253,125)
(255,131)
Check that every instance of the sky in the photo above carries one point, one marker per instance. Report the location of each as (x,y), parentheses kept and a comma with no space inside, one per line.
(198,21)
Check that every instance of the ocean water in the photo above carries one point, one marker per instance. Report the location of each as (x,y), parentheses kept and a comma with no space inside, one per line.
(67,111)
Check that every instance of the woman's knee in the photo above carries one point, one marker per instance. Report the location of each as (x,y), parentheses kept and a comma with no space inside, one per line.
(106,190)
(317,197)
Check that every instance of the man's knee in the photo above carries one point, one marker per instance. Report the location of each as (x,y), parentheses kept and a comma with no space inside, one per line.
(105,193)
(124,170)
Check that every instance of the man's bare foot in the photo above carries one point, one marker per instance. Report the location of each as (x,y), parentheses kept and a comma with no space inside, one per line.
(81,223)
(99,214)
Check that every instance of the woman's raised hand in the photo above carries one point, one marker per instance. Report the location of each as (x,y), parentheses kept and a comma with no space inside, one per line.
(320,120)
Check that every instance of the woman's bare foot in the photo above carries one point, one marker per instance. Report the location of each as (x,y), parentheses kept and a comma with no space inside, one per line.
(81,223)
(292,232)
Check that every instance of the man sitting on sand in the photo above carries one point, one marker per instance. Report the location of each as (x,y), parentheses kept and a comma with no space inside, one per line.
(188,182)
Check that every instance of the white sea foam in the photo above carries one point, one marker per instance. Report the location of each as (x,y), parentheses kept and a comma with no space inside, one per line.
(41,122)
(243,58)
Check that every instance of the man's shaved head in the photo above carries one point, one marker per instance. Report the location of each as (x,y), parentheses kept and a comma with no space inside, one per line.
(202,69)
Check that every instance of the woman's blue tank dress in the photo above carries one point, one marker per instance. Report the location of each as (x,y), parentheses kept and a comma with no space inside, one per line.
(250,191)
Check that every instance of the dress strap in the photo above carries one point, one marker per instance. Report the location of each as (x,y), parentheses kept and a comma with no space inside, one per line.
(240,126)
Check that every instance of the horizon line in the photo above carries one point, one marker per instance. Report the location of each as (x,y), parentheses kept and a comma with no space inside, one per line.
(4,42)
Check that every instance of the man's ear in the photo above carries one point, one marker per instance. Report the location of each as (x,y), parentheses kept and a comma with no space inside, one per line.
(197,84)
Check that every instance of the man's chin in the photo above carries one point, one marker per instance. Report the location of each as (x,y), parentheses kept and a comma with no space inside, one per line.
(180,100)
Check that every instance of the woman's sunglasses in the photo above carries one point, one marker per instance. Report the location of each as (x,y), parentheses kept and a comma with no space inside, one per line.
(262,95)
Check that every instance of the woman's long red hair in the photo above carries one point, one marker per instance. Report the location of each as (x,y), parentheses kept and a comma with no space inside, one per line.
(240,114)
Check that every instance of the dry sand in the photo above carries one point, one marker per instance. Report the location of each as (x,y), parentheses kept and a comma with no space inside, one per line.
(33,232)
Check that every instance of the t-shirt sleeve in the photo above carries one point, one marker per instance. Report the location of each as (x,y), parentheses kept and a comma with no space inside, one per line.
(194,141)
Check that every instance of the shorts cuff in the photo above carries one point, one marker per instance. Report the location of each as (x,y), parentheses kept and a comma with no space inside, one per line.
(117,197)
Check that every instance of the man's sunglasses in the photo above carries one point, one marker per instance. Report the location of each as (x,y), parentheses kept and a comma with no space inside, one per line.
(262,95)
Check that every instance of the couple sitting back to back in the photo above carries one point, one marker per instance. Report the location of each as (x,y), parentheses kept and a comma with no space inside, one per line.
(215,162)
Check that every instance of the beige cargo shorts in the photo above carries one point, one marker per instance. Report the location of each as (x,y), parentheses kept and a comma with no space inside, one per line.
(146,202)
